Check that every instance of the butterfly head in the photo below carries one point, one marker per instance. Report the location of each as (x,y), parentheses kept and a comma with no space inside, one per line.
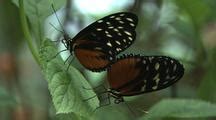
(68,42)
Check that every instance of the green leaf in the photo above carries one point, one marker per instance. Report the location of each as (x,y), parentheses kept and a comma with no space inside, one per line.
(10,33)
(37,11)
(197,13)
(66,87)
(69,116)
(198,10)
(208,83)
(181,108)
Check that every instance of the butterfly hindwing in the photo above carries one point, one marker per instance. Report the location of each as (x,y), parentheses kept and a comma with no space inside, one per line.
(132,75)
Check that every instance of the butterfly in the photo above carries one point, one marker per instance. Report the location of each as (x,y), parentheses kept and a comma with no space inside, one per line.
(97,45)
(134,75)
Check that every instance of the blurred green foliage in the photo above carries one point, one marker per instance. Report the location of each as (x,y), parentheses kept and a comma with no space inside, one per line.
(10,27)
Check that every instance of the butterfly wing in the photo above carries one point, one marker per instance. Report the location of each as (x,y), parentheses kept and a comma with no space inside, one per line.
(94,56)
(115,31)
(133,75)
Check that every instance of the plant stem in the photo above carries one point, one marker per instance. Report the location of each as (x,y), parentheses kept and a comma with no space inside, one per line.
(26,32)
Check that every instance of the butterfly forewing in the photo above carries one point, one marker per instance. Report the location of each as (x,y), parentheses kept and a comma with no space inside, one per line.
(94,56)
(132,75)
(116,31)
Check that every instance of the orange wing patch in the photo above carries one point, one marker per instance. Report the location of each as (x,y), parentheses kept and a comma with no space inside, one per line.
(123,72)
(92,59)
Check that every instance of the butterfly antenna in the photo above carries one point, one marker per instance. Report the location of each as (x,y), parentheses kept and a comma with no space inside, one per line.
(57,18)
(56,28)
(57,54)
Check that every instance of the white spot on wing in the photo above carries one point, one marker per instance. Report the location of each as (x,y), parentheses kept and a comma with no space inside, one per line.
(100,21)
(112,16)
(121,22)
(106,32)
(108,35)
(118,18)
(121,14)
(150,58)
(171,61)
(118,42)
(111,27)
(157,65)
(116,29)
(165,82)
(129,19)
(119,34)
(143,87)
(109,44)
(98,48)
(131,24)
(120,27)
(128,33)
(154,87)
(173,77)
(110,58)
(118,49)
(99,29)
(156,77)
(130,38)
(108,23)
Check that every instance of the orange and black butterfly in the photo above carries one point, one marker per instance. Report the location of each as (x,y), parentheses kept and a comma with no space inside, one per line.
(133,75)
(97,45)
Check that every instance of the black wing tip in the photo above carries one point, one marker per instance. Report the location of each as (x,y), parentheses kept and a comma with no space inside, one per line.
(123,56)
(181,68)
(135,17)
(154,56)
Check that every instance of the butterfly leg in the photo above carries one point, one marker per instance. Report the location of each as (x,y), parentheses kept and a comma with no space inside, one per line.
(94,96)
(57,54)
(90,98)
(95,88)
(106,104)
(70,63)
(67,59)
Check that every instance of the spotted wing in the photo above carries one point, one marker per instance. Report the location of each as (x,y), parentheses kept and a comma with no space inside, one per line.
(132,75)
(94,56)
(116,31)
